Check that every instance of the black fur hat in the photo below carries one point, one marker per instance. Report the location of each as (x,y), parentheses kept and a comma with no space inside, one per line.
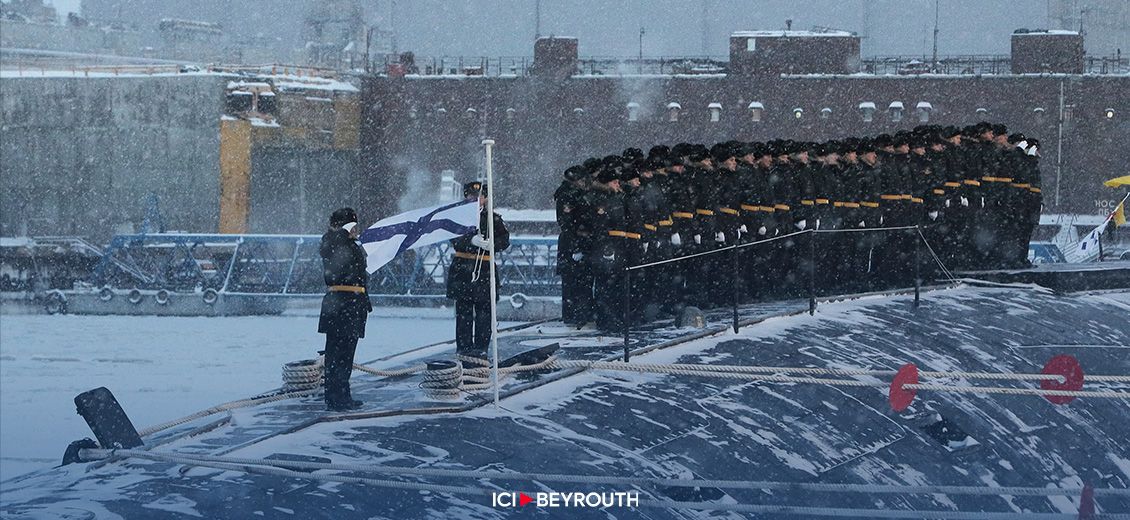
(342,217)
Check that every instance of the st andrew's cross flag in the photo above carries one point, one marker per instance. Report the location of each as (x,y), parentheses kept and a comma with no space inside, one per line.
(418,228)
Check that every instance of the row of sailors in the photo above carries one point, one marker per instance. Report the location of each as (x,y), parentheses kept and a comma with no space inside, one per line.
(973,194)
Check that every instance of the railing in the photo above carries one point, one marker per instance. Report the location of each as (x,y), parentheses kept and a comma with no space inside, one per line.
(728,262)
(289,265)
(971,64)
(522,65)
(974,64)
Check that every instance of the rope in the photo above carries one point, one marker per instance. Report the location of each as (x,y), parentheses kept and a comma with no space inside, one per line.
(414,369)
(276,467)
(227,406)
(705,371)
(866,372)
(716,251)
(864,230)
(937,259)
(1020,391)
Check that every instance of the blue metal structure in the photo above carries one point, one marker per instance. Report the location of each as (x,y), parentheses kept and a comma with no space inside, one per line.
(289,265)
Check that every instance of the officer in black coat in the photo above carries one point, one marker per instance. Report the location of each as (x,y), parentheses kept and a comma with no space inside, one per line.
(576,277)
(345,306)
(468,278)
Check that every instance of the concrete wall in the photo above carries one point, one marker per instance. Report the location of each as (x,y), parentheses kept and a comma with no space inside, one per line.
(294,190)
(79,155)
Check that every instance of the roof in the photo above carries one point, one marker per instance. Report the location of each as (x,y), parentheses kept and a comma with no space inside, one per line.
(1045,32)
(790,34)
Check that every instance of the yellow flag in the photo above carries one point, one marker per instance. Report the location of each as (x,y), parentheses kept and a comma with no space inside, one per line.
(1118,181)
(1120,214)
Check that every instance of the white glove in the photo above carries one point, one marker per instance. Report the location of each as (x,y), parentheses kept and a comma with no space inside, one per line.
(947,203)
(719,237)
(862,224)
(933,215)
(645,244)
(578,256)
(802,224)
(698,239)
(762,231)
(480,242)
(610,257)
(743,229)
(965,202)
(676,240)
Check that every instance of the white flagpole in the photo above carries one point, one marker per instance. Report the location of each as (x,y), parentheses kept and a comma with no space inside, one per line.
(488,143)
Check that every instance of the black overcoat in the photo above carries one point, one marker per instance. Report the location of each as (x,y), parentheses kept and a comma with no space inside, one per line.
(343,262)
(467,278)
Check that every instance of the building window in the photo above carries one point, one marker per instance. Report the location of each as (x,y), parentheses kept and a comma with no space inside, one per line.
(441,112)
(578,112)
(412,112)
(1039,113)
(715,112)
(867,110)
(751,44)
(510,114)
(633,111)
(798,112)
(673,110)
(1109,113)
(755,111)
(825,113)
(471,113)
(895,110)
(924,108)
(982,112)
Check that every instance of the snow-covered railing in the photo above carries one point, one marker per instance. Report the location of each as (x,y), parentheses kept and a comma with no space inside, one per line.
(289,265)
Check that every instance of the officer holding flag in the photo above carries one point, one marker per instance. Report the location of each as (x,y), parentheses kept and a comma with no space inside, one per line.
(468,278)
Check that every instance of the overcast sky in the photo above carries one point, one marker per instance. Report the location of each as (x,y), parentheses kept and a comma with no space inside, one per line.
(675,27)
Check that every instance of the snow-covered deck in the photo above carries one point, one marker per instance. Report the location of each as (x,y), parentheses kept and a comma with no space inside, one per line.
(670,426)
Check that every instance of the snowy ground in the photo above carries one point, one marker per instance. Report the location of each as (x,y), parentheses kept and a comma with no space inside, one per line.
(159,368)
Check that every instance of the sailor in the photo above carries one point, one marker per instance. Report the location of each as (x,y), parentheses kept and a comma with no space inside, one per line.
(606,210)
(345,307)
(576,278)
(468,277)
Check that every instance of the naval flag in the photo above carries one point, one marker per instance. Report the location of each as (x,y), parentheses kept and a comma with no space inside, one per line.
(418,228)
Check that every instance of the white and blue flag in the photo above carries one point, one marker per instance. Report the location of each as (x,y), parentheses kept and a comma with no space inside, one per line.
(418,228)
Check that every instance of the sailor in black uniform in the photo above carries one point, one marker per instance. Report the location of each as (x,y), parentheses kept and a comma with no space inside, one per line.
(468,278)
(345,307)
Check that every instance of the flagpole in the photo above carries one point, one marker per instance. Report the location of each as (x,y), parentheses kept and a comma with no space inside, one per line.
(488,143)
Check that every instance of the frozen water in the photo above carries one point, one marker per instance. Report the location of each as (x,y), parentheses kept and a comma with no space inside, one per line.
(159,368)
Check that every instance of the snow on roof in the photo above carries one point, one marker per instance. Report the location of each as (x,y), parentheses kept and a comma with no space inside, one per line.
(268,123)
(867,104)
(789,34)
(633,104)
(715,105)
(756,105)
(81,73)
(1043,32)
(293,82)
(674,105)
(248,84)
(925,105)
(896,105)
